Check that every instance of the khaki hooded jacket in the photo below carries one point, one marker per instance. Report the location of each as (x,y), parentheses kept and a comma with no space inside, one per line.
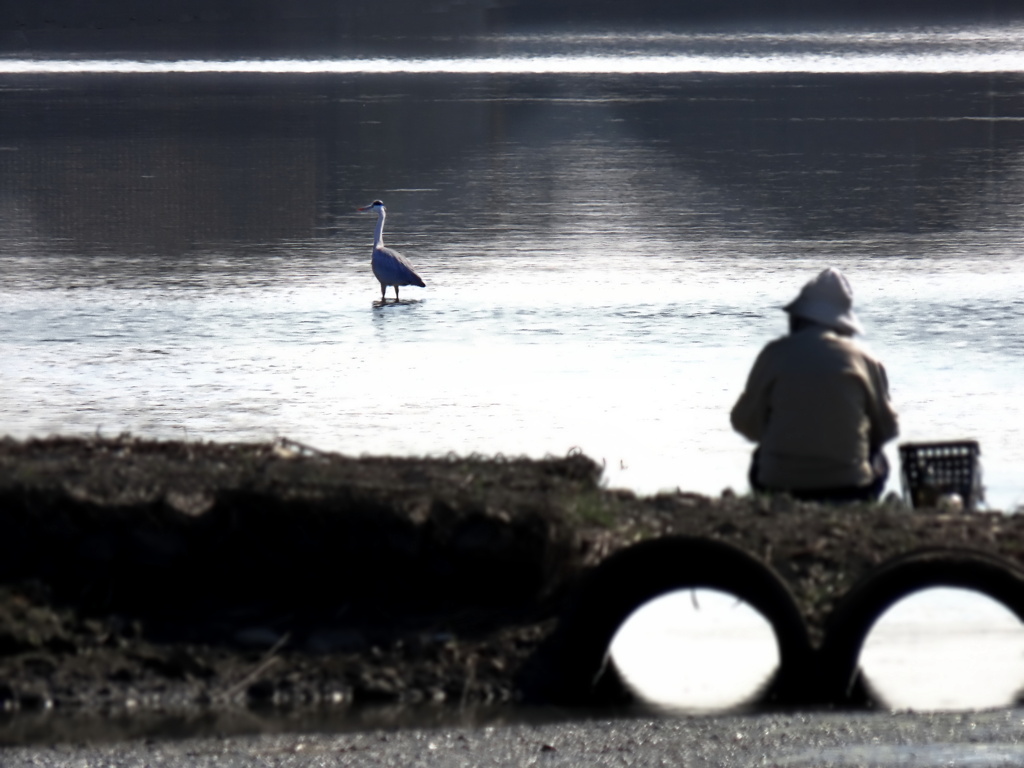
(819,406)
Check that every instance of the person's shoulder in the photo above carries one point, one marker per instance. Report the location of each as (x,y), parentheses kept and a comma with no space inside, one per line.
(856,348)
(838,343)
(814,336)
(777,344)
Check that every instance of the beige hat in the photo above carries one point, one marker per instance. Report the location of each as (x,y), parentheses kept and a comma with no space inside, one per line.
(827,299)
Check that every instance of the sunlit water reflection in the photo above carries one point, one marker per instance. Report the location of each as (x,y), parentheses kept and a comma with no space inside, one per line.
(946,649)
(696,651)
(970,49)
(637,362)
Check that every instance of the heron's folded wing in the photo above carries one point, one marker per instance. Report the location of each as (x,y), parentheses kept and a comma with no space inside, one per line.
(393,266)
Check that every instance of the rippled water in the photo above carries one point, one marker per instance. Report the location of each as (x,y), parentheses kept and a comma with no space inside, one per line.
(968,656)
(926,50)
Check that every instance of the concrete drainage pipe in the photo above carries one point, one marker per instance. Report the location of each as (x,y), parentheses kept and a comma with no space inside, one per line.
(574,666)
(859,609)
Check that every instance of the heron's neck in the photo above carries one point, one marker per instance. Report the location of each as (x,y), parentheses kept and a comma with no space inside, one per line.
(378,236)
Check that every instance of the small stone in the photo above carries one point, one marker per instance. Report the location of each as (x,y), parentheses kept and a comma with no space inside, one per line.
(8,699)
(950,502)
(194,504)
(370,689)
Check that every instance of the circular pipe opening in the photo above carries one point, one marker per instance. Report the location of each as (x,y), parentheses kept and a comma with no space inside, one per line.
(945,649)
(696,651)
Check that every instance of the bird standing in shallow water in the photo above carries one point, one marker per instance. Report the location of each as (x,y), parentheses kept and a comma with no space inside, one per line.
(389,266)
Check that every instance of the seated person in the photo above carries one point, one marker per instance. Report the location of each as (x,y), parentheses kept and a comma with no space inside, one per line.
(817,404)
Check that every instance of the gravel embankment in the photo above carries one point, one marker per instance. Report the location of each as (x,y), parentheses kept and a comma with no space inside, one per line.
(830,740)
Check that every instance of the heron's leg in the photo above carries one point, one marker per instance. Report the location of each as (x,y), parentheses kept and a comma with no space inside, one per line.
(396,294)
(383,288)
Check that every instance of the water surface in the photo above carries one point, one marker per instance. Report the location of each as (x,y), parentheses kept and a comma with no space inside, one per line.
(605,250)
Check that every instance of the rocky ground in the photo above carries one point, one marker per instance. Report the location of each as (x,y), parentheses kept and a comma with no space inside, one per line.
(141,576)
(780,740)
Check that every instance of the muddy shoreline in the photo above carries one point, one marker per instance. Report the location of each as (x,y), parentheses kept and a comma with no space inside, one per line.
(145,577)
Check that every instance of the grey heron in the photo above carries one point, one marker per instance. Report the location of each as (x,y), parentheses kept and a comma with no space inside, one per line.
(389,266)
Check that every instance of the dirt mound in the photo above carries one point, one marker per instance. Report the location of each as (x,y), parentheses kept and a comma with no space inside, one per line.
(165,573)
(145,574)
